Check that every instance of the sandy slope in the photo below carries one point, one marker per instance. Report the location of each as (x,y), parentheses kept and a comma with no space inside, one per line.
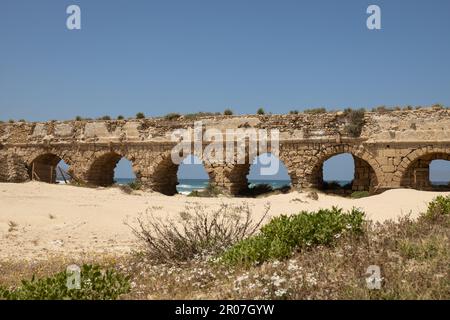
(71,220)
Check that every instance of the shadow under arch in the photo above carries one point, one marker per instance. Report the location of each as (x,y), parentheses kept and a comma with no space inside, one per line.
(417,174)
(101,170)
(44,167)
(365,169)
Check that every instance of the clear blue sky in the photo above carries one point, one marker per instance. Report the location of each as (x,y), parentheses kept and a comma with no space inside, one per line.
(186,56)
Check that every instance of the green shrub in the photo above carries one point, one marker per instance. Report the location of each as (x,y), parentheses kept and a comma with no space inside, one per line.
(193,115)
(78,118)
(331,185)
(210,191)
(228,112)
(382,109)
(315,110)
(294,112)
(437,106)
(283,235)
(95,285)
(355,120)
(106,117)
(172,116)
(359,194)
(260,111)
(11,120)
(140,115)
(135,185)
(120,117)
(438,208)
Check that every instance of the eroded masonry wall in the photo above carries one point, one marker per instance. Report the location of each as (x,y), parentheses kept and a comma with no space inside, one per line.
(394,149)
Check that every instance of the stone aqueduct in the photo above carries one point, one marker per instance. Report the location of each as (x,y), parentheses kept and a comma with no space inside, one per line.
(394,149)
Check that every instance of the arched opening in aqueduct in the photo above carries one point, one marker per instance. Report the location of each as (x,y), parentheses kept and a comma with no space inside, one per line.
(164,176)
(48,168)
(102,172)
(267,169)
(362,176)
(419,173)
(191,175)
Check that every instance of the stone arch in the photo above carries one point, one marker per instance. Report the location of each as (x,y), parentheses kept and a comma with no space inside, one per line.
(42,166)
(414,169)
(367,169)
(163,178)
(101,170)
(290,170)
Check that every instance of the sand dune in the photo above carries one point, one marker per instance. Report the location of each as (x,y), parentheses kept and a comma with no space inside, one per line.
(61,219)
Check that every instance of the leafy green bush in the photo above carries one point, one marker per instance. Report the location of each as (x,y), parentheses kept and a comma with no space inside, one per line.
(105,118)
(283,235)
(193,115)
(355,121)
(260,111)
(95,285)
(120,117)
(172,116)
(228,112)
(359,194)
(438,208)
(315,110)
(140,115)
(135,185)
(209,192)
(382,109)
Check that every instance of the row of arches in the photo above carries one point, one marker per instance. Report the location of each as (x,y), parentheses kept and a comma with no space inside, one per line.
(342,171)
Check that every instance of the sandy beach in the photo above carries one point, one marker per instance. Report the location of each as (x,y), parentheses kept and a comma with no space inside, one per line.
(38,219)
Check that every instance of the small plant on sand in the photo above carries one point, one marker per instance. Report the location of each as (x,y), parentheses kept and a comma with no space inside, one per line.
(359,194)
(135,185)
(12,226)
(228,112)
(95,285)
(313,195)
(210,191)
(195,232)
(125,188)
(284,235)
(438,208)
(260,111)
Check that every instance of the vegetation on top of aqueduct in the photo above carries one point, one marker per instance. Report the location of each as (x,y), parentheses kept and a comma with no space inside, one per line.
(355,116)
